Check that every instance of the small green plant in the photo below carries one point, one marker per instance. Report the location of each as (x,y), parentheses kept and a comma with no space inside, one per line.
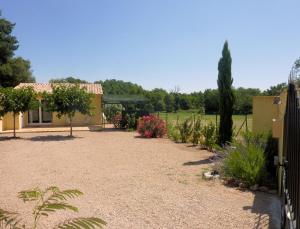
(185,130)
(209,134)
(49,201)
(245,163)
(110,110)
(197,131)
(173,133)
(259,139)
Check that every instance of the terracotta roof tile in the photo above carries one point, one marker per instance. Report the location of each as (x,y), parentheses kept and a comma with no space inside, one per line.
(42,87)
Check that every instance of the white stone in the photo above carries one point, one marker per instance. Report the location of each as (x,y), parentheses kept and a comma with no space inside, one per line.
(254,187)
(208,175)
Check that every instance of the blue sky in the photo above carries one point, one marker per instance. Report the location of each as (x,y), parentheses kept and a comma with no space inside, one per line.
(157,43)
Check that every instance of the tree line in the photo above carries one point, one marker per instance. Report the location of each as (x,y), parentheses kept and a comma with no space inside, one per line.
(161,100)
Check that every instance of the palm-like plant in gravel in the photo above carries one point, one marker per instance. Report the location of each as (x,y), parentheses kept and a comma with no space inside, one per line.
(49,201)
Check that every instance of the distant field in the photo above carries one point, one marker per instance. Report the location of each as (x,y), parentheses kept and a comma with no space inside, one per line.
(183,115)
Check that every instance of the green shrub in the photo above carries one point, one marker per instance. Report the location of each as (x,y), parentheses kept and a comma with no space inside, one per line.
(185,130)
(124,121)
(110,110)
(173,133)
(197,131)
(209,134)
(246,163)
(254,138)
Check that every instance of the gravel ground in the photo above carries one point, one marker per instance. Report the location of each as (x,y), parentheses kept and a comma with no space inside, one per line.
(128,181)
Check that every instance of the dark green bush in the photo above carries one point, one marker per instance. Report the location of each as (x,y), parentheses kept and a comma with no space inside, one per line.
(271,150)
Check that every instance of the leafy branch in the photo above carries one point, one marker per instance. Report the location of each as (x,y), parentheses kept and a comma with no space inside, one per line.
(49,201)
(82,223)
(9,219)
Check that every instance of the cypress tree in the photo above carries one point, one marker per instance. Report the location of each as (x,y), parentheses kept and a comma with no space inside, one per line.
(226,96)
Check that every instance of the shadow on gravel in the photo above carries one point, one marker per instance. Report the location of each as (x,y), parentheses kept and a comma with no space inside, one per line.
(7,138)
(110,129)
(51,138)
(200,162)
(268,210)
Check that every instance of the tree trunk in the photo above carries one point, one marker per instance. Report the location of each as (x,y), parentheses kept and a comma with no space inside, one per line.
(14,124)
(71,129)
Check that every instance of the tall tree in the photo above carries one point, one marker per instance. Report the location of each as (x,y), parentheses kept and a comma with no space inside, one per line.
(275,90)
(15,71)
(12,70)
(297,64)
(169,101)
(66,100)
(184,101)
(156,98)
(226,96)
(8,42)
(69,79)
(197,100)
(243,99)
(119,87)
(211,101)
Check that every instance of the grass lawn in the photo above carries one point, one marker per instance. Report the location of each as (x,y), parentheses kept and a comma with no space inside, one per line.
(184,114)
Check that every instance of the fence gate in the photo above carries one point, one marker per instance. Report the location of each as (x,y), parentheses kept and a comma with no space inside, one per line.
(291,168)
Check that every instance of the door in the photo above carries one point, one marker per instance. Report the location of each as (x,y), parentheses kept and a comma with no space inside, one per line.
(46,115)
(40,115)
(34,116)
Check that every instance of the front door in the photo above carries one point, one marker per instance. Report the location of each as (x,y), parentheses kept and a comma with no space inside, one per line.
(46,115)
(34,116)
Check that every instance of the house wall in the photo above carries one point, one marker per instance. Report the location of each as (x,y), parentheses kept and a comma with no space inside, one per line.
(278,132)
(25,119)
(268,116)
(79,119)
(8,123)
(264,111)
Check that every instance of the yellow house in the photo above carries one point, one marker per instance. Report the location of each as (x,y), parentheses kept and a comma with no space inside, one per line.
(42,118)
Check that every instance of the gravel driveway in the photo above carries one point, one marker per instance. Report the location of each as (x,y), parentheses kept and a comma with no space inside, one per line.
(128,181)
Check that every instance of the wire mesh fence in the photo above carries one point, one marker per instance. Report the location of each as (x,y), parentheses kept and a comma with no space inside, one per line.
(241,123)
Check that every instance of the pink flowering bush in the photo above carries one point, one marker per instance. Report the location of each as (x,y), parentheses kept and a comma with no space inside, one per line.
(151,126)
